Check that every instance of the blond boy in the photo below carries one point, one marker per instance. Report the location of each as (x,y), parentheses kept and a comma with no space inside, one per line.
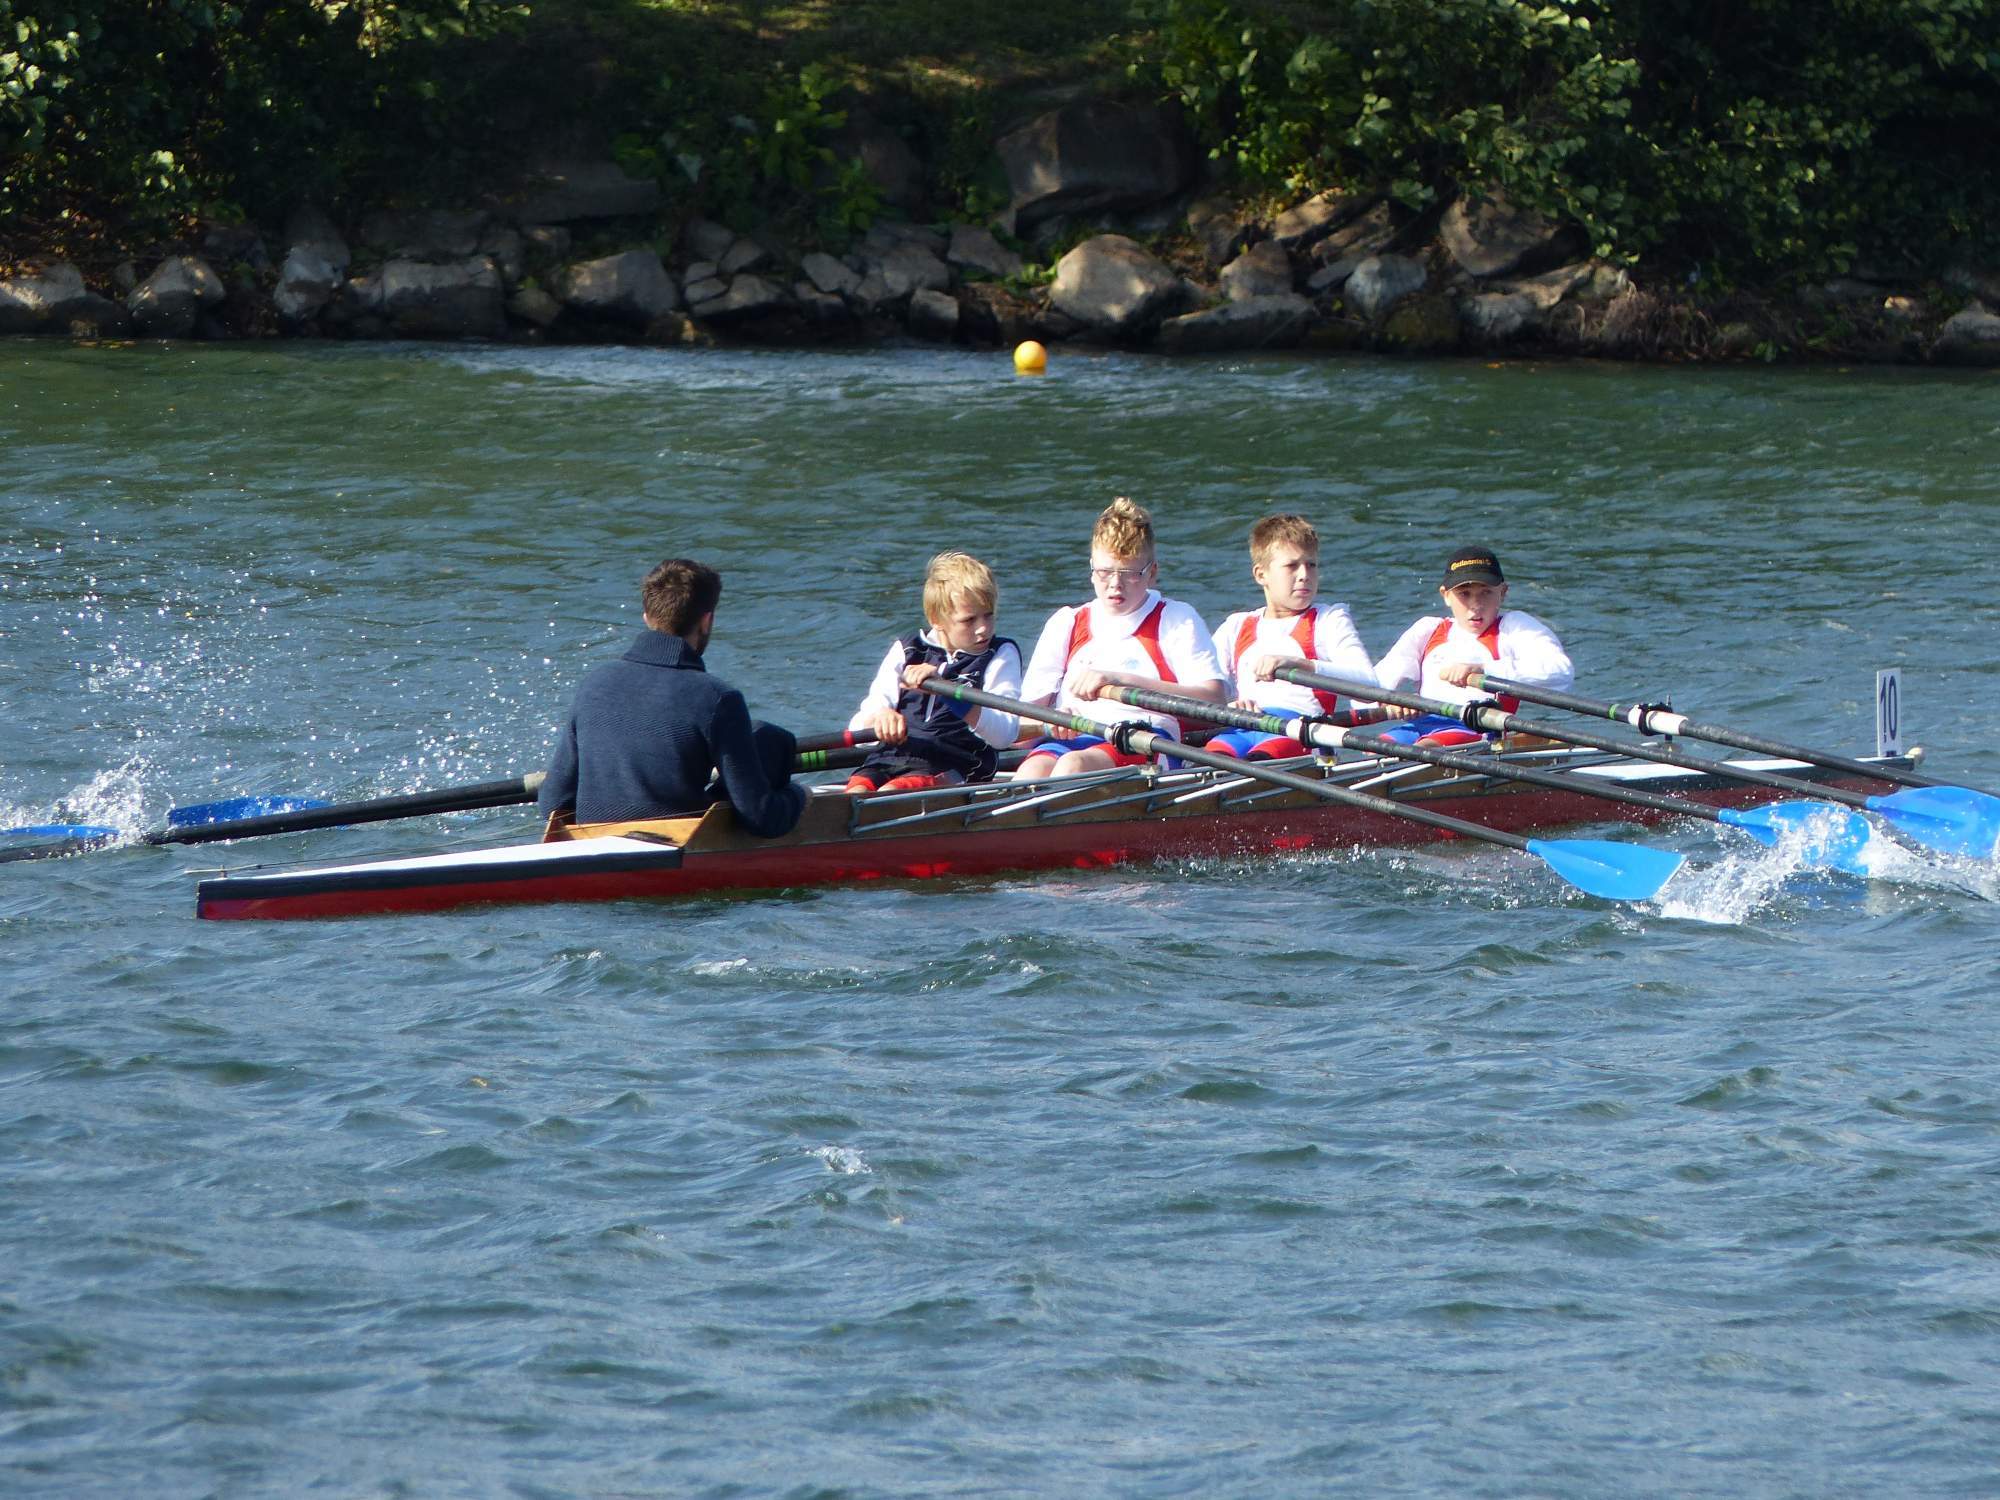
(930,741)
(1128,635)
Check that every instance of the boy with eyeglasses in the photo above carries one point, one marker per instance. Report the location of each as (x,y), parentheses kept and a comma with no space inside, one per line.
(1129,635)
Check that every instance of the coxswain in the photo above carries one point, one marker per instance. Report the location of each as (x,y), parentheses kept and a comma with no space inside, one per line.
(653,734)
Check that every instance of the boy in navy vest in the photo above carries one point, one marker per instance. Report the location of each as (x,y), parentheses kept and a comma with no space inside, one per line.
(930,741)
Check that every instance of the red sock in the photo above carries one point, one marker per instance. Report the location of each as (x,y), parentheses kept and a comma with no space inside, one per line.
(1277,747)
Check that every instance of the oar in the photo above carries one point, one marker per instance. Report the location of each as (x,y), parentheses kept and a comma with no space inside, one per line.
(1617,872)
(198,825)
(1948,824)
(68,838)
(1830,835)
(242,809)
(1653,718)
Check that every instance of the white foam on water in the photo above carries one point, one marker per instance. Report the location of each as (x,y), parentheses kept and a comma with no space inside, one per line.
(1898,864)
(709,968)
(842,1159)
(1733,889)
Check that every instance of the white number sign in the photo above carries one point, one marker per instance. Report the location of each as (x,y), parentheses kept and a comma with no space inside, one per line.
(1889,712)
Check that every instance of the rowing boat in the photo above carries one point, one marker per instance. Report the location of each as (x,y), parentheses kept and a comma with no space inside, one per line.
(1100,819)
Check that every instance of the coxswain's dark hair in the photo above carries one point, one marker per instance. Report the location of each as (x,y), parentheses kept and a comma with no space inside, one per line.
(678,593)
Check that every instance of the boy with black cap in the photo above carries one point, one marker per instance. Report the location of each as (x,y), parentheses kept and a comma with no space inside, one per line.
(1478,635)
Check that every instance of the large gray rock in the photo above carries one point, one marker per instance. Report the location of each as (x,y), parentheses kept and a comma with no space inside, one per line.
(166,304)
(828,275)
(1519,308)
(933,315)
(1371,232)
(309,226)
(562,192)
(1261,271)
(821,307)
(226,244)
(1496,317)
(1219,228)
(632,288)
(1380,282)
(1091,157)
(509,251)
(707,240)
(907,269)
(1115,285)
(746,297)
(1252,323)
(977,250)
(1306,224)
(42,301)
(314,267)
(427,234)
(535,307)
(1490,238)
(425,300)
(306,283)
(1971,337)
(745,255)
(890,234)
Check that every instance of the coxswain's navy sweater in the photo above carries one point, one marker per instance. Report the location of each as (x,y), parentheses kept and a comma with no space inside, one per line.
(647,732)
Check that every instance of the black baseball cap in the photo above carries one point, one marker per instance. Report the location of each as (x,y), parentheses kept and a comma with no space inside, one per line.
(1472,565)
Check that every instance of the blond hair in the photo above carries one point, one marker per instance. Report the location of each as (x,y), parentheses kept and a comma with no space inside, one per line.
(953,576)
(1281,530)
(1123,530)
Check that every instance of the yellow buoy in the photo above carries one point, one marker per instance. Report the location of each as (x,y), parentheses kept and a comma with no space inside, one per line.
(1030,358)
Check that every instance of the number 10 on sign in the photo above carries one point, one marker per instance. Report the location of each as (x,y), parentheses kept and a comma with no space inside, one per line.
(1889,711)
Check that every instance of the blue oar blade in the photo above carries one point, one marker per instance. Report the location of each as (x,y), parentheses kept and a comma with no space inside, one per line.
(1950,819)
(60,831)
(1617,872)
(237,807)
(1823,833)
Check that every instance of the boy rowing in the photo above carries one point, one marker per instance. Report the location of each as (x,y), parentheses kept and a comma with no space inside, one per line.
(1128,635)
(926,740)
(1479,634)
(1284,560)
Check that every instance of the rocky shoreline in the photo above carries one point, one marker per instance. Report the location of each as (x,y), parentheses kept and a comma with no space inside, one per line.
(575,253)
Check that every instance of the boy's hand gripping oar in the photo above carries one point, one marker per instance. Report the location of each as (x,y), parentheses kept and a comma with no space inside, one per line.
(203,824)
(1833,835)
(1947,824)
(1964,819)
(1617,872)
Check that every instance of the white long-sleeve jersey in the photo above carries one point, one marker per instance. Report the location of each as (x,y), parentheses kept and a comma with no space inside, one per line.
(1162,638)
(1329,637)
(1518,645)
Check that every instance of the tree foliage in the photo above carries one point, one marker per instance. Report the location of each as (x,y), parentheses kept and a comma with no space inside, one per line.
(140,108)
(1739,138)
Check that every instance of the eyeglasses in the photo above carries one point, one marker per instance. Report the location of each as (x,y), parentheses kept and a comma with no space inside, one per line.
(1122,575)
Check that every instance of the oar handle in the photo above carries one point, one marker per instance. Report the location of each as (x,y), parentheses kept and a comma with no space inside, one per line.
(1489,718)
(1331,736)
(1649,718)
(840,739)
(1144,742)
(484,794)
